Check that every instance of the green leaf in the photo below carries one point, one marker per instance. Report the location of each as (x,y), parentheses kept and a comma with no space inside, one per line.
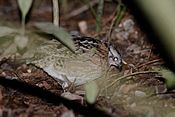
(24,6)
(59,32)
(91,90)
(169,78)
(4,31)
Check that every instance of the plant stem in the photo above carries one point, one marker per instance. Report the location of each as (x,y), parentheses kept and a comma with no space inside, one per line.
(55,12)
(120,13)
(99,15)
(23,26)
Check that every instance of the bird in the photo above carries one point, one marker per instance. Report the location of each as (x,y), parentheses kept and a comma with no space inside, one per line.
(64,65)
(85,43)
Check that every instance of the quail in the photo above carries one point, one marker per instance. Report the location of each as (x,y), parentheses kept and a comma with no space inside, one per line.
(84,43)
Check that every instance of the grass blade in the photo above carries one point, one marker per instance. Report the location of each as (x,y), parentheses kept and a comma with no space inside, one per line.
(59,32)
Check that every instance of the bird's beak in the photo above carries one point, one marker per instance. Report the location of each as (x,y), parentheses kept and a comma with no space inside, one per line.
(117,67)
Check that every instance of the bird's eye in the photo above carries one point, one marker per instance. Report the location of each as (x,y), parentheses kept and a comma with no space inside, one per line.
(115,59)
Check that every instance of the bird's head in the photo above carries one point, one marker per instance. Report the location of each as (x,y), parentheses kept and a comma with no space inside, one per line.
(114,58)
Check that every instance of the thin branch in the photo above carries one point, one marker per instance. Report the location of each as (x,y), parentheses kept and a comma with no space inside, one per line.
(112,24)
(129,75)
(118,14)
(150,62)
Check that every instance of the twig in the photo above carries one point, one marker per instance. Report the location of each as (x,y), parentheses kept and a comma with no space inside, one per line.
(150,52)
(118,14)
(150,62)
(128,75)
(112,24)
(81,10)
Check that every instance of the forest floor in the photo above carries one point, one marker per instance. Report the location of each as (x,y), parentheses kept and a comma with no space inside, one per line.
(132,93)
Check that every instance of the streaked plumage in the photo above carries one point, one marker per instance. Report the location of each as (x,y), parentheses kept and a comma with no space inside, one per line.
(85,43)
